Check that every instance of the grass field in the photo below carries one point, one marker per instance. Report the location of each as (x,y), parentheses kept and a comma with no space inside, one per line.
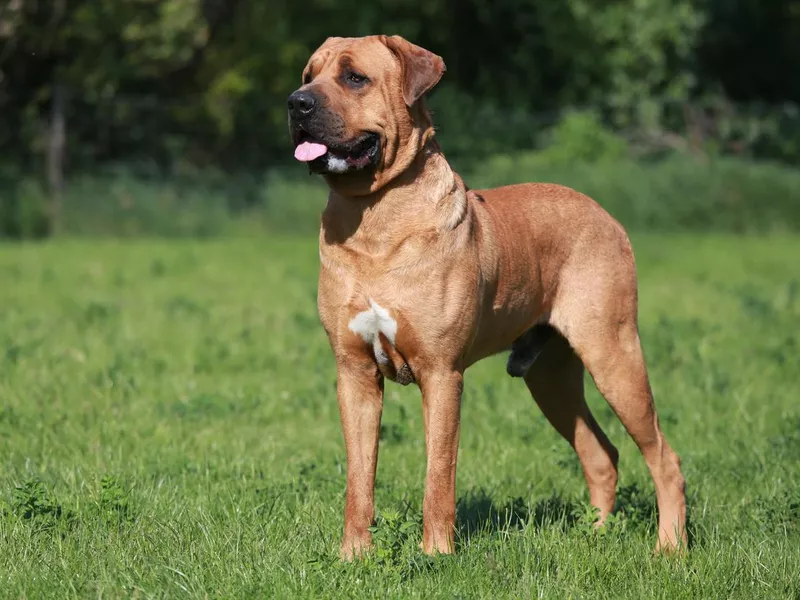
(169,428)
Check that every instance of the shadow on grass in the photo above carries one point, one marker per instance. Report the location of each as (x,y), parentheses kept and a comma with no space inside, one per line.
(478,513)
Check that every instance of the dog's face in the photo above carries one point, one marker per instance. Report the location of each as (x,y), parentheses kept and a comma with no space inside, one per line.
(359,106)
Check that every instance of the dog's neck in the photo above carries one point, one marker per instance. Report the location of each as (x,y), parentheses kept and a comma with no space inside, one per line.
(425,198)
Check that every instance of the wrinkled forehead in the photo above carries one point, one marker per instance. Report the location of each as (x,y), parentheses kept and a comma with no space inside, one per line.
(367,55)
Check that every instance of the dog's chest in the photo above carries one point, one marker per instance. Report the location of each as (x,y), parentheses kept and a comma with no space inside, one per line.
(377,326)
(371,324)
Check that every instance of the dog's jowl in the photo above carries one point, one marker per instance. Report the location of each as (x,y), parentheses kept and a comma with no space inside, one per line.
(421,277)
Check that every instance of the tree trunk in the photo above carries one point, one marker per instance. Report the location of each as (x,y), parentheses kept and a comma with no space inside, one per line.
(56,144)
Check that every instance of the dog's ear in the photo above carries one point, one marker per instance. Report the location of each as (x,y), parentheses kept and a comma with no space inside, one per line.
(421,69)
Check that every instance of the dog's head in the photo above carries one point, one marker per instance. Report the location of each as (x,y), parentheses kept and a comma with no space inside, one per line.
(359,117)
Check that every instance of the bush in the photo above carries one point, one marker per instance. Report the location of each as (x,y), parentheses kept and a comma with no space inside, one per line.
(23,209)
(580,137)
(292,204)
(672,194)
(123,204)
(679,193)
(470,127)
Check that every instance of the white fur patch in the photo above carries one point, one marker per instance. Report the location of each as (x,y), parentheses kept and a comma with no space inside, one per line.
(336,164)
(372,322)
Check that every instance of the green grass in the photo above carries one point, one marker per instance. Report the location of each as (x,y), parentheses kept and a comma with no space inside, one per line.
(168,428)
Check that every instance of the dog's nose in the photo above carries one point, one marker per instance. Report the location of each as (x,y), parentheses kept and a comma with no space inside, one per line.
(301,104)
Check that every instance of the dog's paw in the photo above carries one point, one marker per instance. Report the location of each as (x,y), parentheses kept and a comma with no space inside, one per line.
(354,548)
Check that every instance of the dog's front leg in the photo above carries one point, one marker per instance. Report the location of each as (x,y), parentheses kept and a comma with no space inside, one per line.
(360,395)
(441,409)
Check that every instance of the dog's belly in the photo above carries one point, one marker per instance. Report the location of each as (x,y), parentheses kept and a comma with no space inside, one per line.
(507,313)
(497,334)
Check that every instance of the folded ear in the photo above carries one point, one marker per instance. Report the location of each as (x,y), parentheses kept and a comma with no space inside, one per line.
(421,69)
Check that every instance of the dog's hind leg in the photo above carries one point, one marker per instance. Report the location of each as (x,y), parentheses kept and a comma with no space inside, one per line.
(609,346)
(556,381)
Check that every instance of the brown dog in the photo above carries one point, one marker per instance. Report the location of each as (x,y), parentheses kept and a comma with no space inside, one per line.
(421,277)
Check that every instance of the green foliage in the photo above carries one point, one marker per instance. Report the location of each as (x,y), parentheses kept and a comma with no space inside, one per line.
(205,82)
(682,193)
(641,50)
(113,500)
(289,204)
(169,428)
(121,203)
(190,96)
(580,137)
(24,209)
(33,501)
(471,127)
(679,193)
(393,535)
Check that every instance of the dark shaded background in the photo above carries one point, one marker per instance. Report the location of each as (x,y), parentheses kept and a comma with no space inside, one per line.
(192,92)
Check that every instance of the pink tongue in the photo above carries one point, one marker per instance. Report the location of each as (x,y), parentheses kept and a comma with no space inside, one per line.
(308,151)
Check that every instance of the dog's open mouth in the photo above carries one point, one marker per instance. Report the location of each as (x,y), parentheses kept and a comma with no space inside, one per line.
(356,154)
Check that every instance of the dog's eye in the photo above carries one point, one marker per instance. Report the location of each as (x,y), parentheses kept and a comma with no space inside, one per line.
(356,79)
(307,78)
